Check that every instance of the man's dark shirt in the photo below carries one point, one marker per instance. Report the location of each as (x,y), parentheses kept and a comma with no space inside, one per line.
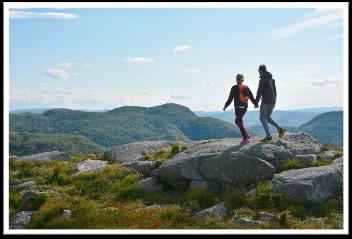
(266,89)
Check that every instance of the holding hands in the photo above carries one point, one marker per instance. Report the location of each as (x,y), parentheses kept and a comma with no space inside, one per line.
(256,105)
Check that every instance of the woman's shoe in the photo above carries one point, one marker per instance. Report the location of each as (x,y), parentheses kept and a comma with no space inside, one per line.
(244,141)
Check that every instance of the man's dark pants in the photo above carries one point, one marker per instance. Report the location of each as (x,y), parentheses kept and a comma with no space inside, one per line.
(265,117)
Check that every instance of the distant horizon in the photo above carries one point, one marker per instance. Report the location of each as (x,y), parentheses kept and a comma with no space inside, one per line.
(106,109)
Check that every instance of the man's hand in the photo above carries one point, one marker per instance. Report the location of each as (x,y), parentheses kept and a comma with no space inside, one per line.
(256,106)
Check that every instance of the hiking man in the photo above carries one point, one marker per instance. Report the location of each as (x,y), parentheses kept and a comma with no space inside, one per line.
(240,94)
(267,92)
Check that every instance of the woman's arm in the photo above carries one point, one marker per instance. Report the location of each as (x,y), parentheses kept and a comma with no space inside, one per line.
(230,98)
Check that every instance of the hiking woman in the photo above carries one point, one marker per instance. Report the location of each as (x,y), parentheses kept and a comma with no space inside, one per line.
(240,93)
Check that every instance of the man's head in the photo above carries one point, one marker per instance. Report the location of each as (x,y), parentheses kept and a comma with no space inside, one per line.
(239,78)
(262,69)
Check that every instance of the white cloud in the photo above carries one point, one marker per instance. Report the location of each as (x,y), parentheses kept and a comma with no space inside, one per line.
(333,38)
(144,93)
(182,48)
(139,59)
(317,82)
(67,64)
(180,96)
(51,15)
(193,70)
(294,72)
(57,91)
(59,73)
(314,19)
(208,83)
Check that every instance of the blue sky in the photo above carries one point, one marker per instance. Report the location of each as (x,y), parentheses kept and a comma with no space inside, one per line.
(106,58)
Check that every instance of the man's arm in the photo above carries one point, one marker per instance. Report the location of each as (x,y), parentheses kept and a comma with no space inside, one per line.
(260,90)
(274,88)
(230,98)
(251,97)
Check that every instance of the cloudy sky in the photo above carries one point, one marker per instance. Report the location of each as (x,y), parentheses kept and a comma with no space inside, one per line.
(106,58)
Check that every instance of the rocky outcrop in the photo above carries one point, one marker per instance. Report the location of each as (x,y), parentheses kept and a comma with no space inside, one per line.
(329,154)
(46,156)
(65,214)
(215,212)
(264,216)
(90,165)
(217,163)
(195,184)
(23,185)
(338,161)
(21,219)
(246,222)
(292,145)
(134,151)
(150,185)
(143,167)
(223,163)
(233,168)
(314,184)
(306,160)
(184,167)
(32,196)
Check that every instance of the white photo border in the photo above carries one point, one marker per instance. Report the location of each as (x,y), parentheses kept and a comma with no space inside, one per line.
(8,5)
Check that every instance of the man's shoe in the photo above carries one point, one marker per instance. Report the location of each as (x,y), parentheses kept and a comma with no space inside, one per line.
(267,138)
(281,132)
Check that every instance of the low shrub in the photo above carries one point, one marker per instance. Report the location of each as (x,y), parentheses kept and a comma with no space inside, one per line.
(320,162)
(90,184)
(326,147)
(202,197)
(235,200)
(58,176)
(34,202)
(127,188)
(290,164)
(283,218)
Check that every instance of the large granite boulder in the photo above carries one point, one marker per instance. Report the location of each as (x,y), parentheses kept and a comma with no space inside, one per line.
(216,212)
(134,151)
(46,156)
(24,185)
(294,144)
(245,222)
(314,184)
(233,168)
(33,196)
(181,169)
(150,185)
(143,167)
(273,152)
(21,219)
(300,143)
(90,165)
(306,160)
(216,164)
(338,161)
(331,154)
